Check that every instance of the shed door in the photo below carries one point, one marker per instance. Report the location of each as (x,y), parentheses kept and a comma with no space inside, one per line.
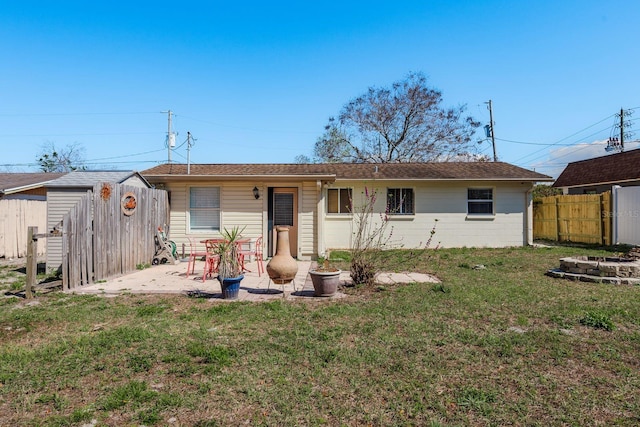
(285,212)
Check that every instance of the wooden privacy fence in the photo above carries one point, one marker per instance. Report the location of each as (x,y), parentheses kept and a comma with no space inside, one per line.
(15,217)
(584,218)
(110,232)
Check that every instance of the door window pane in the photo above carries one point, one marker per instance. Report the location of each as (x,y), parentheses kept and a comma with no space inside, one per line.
(283,209)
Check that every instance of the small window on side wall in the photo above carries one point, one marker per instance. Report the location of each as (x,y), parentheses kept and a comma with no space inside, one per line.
(339,200)
(204,209)
(400,201)
(480,201)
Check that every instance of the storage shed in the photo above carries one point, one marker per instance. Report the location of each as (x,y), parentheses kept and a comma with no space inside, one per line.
(63,193)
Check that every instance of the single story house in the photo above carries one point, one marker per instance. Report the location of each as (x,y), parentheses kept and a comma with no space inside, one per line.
(25,186)
(23,203)
(476,204)
(600,174)
(63,194)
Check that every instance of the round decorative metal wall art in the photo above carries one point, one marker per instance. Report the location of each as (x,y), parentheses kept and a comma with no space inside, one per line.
(128,203)
(105,191)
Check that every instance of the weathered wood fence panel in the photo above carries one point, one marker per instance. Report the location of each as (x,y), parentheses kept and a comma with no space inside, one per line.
(580,218)
(103,238)
(16,216)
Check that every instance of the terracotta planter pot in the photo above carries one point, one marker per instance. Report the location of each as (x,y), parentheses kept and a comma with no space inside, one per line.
(283,267)
(325,283)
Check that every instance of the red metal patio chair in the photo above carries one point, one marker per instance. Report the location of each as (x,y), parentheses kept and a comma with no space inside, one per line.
(256,252)
(194,253)
(212,259)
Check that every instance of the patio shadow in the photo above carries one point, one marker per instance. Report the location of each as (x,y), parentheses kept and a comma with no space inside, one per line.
(262,291)
(304,293)
(203,294)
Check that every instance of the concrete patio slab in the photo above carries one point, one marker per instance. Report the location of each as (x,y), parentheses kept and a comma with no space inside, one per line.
(172,279)
(394,278)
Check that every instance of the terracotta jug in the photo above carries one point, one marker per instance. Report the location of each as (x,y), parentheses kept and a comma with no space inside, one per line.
(283,267)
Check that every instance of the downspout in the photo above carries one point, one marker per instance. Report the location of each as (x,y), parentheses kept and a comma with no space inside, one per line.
(320,245)
(614,214)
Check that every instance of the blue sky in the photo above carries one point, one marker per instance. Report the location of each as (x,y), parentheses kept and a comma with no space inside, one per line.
(255,82)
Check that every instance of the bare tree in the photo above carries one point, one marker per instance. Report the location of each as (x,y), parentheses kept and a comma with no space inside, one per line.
(67,159)
(302,159)
(403,123)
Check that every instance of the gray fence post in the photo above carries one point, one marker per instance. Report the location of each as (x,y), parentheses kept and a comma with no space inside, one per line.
(32,260)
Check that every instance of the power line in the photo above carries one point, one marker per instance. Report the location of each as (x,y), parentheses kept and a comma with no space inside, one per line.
(79,134)
(577,143)
(78,114)
(123,156)
(13,165)
(97,161)
(567,137)
(247,128)
(532,143)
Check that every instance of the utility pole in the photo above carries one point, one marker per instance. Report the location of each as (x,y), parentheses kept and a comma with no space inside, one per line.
(493,138)
(188,152)
(621,130)
(616,143)
(171,139)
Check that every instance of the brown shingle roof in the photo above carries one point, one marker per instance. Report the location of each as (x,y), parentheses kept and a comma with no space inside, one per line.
(613,168)
(17,181)
(425,171)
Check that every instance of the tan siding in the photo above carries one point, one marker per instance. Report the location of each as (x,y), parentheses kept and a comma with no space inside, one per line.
(178,206)
(241,209)
(59,202)
(307,229)
(238,208)
(135,181)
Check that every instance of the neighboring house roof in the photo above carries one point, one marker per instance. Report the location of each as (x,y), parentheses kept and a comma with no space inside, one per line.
(11,183)
(611,169)
(463,171)
(87,179)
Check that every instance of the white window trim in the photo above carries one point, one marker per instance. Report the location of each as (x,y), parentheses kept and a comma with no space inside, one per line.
(482,216)
(199,231)
(398,214)
(338,214)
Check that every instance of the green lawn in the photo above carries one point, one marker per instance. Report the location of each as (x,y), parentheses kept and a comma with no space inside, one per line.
(503,345)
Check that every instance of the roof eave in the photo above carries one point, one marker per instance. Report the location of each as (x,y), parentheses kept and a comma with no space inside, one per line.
(23,188)
(323,177)
(547,179)
(592,184)
(263,177)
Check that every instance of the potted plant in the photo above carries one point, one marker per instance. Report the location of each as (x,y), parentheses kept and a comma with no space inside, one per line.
(325,279)
(230,266)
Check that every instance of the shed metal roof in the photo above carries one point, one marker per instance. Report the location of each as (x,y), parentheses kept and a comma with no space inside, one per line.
(87,179)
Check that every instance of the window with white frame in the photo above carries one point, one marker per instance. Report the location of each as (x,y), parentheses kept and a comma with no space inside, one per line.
(400,201)
(339,200)
(480,201)
(204,208)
